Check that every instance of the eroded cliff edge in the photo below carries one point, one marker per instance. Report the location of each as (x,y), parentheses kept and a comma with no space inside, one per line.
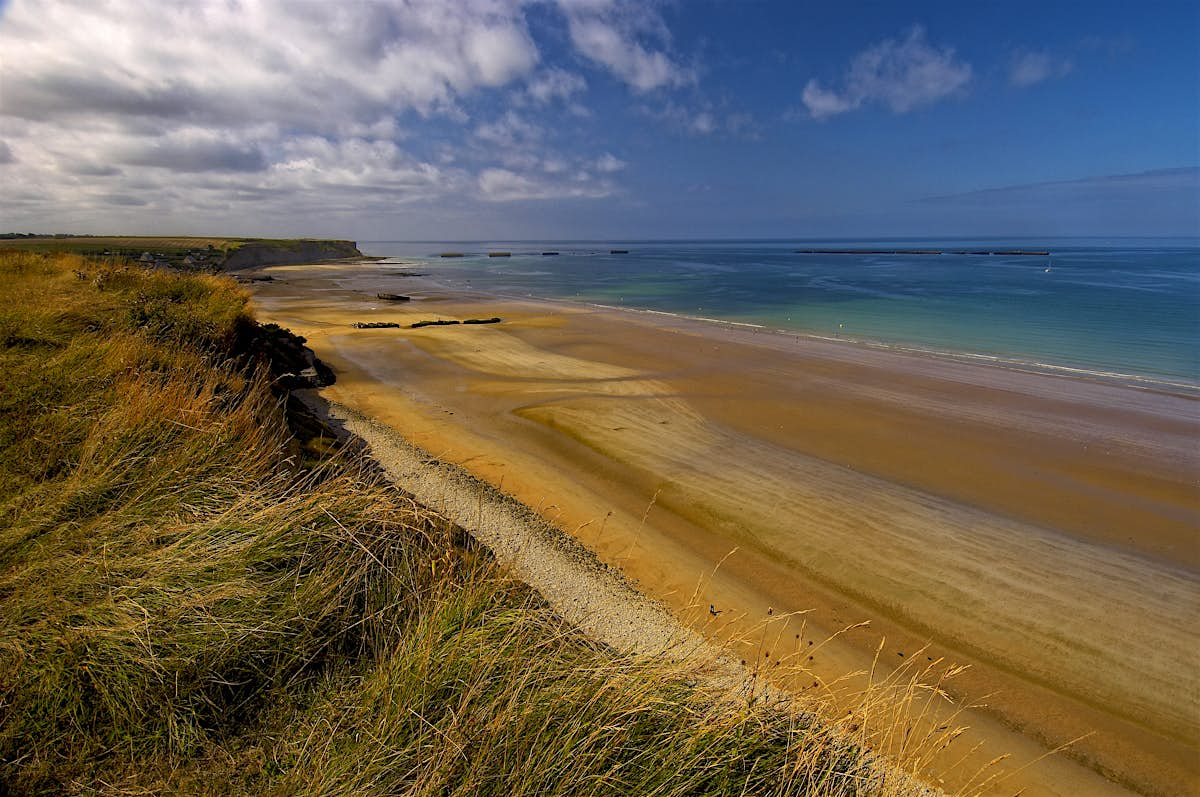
(253,254)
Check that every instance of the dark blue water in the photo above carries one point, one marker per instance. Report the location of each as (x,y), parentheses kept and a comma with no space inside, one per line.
(1125,306)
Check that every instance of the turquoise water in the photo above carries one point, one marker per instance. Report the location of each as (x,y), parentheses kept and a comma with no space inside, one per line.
(1124,306)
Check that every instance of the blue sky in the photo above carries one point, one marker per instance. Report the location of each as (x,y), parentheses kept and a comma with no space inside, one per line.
(504,119)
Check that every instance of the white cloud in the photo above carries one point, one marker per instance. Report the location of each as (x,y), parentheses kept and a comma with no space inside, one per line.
(823,103)
(504,185)
(555,84)
(501,185)
(499,54)
(263,59)
(609,163)
(615,35)
(901,74)
(704,123)
(509,131)
(530,168)
(1028,67)
(229,112)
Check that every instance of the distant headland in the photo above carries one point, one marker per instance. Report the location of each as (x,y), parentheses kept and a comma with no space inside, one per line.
(198,253)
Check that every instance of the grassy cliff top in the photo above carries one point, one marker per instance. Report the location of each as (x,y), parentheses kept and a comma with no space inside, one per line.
(213,254)
(124,244)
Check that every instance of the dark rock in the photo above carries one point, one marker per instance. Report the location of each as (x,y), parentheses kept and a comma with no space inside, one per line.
(392,297)
(439,323)
(292,365)
(493,320)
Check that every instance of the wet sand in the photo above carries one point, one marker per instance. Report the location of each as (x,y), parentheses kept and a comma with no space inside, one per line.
(1042,529)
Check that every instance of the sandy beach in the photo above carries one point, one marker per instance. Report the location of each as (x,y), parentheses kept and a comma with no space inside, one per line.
(1040,528)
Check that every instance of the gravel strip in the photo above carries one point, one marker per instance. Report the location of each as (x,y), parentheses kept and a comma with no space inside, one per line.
(584,591)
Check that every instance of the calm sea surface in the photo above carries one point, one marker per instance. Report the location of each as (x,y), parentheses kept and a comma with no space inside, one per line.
(1123,306)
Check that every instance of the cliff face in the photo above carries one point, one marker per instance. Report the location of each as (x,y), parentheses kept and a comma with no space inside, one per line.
(282,253)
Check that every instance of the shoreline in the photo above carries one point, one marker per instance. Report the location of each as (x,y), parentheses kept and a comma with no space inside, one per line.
(1136,381)
(536,409)
(1149,381)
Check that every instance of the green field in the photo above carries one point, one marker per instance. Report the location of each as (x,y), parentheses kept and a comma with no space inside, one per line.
(126,244)
(205,253)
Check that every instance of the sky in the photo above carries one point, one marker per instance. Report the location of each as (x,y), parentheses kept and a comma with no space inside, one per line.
(570,119)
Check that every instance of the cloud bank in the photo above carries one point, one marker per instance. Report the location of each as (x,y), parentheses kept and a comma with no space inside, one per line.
(190,111)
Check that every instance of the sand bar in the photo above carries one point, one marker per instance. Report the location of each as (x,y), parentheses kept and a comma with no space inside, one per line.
(1041,528)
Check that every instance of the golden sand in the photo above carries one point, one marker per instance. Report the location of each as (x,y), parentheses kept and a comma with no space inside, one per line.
(1042,529)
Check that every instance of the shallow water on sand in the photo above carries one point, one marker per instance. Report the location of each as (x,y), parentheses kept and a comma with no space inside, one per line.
(1120,306)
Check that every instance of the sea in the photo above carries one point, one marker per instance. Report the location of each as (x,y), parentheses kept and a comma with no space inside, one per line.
(1123,308)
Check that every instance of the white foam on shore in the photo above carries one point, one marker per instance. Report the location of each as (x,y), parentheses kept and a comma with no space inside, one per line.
(1012,363)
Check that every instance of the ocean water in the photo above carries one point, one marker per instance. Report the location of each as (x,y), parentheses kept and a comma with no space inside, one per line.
(1122,306)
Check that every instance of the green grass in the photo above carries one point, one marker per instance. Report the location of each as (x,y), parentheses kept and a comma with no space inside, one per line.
(127,245)
(212,253)
(185,607)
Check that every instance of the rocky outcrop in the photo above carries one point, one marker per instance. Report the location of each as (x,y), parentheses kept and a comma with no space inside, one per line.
(292,365)
(253,254)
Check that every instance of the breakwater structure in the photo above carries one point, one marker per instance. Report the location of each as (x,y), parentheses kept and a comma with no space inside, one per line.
(1011,252)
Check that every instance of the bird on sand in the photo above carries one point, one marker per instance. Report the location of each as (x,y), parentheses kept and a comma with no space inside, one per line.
(713,610)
